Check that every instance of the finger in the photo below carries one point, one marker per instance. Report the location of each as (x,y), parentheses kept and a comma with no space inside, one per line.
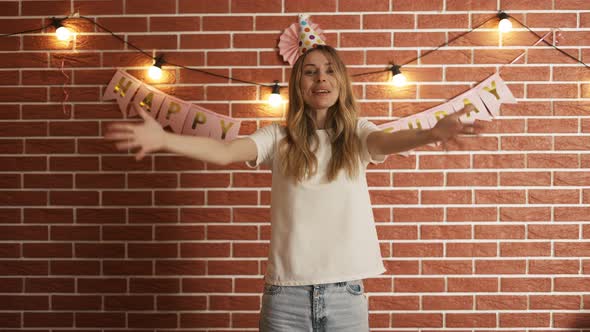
(118,136)
(142,113)
(140,155)
(127,145)
(120,127)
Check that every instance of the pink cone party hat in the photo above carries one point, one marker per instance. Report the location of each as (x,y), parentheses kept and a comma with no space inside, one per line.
(299,37)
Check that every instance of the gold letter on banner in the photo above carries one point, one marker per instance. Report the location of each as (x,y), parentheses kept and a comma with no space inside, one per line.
(172,108)
(466,102)
(200,119)
(411,125)
(147,101)
(225,129)
(492,90)
(120,88)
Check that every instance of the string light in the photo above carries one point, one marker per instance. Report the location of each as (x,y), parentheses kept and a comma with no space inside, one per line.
(397,78)
(275,99)
(505,25)
(61,32)
(155,71)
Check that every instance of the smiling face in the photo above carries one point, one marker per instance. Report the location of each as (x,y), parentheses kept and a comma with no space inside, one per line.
(319,86)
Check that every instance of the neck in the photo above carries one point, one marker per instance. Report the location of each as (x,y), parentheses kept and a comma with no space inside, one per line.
(320,118)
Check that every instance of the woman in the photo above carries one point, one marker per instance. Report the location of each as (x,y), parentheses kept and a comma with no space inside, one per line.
(323,238)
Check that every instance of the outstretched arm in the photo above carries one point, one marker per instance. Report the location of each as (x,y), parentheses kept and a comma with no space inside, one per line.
(446,129)
(149,136)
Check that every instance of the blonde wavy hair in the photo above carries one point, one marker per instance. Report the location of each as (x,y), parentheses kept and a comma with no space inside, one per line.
(297,159)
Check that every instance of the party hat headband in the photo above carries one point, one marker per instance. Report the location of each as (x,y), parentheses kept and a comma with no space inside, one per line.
(300,37)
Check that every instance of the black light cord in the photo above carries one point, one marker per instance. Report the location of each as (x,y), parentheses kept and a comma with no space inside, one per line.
(160,60)
(550,44)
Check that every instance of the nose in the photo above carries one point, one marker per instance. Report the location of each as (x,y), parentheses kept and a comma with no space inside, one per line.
(321,76)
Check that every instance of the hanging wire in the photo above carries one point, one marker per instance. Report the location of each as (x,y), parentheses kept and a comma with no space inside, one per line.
(271,86)
(429,51)
(548,43)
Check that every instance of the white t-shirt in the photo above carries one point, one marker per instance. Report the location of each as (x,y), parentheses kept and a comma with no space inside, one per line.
(321,232)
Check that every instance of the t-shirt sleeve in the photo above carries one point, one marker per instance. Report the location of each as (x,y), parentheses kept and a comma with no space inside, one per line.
(365,127)
(265,139)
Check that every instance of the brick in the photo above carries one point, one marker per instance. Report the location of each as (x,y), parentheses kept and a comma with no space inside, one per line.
(525,143)
(388,232)
(232,232)
(501,302)
(128,302)
(443,21)
(48,319)
(470,320)
(448,267)
(75,267)
(418,179)
(525,179)
(365,39)
(309,6)
(226,23)
(417,320)
(388,21)
(559,302)
(159,7)
(556,196)
(500,267)
(521,249)
(499,232)
(232,59)
(96,250)
(100,319)
(417,250)
(178,267)
(45,8)
(470,5)
(421,285)
(98,7)
(232,267)
(75,197)
(394,303)
(47,250)
(124,24)
(471,249)
(445,232)
(76,302)
(524,319)
(394,197)
(547,56)
(49,285)
(418,39)
(552,161)
(196,320)
(444,162)
(254,41)
(554,266)
(154,41)
(417,214)
(426,5)
(446,197)
(71,233)
(571,4)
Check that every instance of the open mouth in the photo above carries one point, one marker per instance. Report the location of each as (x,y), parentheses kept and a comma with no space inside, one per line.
(321,92)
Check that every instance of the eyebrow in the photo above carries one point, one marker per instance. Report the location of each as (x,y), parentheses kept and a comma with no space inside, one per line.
(311,64)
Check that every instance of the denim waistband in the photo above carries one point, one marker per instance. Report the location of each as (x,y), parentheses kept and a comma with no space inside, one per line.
(327,285)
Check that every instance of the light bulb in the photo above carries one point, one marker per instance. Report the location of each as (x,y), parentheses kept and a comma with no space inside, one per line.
(275,99)
(155,73)
(399,80)
(63,33)
(505,25)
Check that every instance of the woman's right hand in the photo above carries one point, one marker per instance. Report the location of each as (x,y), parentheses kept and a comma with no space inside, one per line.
(149,135)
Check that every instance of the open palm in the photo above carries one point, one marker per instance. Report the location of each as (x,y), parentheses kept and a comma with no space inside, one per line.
(148,135)
(450,126)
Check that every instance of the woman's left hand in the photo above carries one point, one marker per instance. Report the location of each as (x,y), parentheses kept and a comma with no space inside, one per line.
(450,126)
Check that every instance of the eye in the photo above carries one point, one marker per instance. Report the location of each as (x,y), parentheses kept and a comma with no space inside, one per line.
(309,72)
(330,71)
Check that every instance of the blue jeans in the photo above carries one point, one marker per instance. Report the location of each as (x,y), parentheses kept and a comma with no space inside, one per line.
(340,306)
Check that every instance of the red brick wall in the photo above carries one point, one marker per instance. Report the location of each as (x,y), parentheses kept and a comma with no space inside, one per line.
(491,235)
